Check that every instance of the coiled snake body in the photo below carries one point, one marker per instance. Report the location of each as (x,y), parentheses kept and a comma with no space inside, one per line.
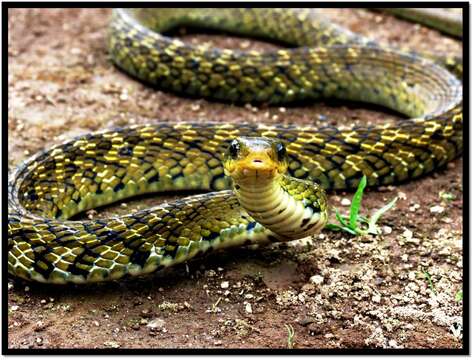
(265,204)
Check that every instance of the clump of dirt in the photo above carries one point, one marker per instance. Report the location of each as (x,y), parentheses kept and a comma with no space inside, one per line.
(402,289)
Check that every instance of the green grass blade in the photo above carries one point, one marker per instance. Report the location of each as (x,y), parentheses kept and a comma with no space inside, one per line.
(363,219)
(350,231)
(356,201)
(340,218)
(336,227)
(430,282)
(291,336)
(333,227)
(376,216)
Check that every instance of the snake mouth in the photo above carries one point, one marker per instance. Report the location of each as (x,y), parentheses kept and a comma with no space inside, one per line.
(254,170)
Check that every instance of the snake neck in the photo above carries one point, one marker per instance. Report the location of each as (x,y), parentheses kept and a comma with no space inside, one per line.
(289,207)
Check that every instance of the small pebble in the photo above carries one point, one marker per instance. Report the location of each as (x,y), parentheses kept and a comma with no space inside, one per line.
(156,324)
(225,285)
(308,288)
(91,213)
(392,343)
(211,273)
(402,195)
(112,344)
(316,279)
(14,307)
(408,234)
(436,209)
(305,321)
(248,308)
(39,326)
(386,229)
(345,202)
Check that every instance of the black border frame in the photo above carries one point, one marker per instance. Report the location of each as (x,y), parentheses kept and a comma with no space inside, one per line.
(465,350)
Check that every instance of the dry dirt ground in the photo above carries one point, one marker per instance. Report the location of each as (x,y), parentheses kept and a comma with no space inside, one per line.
(402,289)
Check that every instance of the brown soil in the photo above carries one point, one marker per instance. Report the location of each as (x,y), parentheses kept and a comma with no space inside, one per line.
(398,290)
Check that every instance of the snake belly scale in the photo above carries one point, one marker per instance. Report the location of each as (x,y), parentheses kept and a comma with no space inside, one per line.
(279,173)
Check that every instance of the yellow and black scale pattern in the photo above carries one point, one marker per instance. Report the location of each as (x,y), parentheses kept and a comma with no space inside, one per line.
(105,167)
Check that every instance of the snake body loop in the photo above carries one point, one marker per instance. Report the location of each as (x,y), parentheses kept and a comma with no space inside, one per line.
(109,166)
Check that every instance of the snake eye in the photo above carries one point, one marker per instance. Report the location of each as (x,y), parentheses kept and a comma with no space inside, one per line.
(234,149)
(281,151)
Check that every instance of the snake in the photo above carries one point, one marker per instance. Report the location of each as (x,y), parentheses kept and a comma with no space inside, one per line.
(448,21)
(261,184)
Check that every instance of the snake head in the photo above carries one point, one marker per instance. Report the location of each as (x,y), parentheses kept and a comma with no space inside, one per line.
(255,159)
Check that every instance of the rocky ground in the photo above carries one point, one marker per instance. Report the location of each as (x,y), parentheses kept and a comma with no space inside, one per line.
(402,289)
